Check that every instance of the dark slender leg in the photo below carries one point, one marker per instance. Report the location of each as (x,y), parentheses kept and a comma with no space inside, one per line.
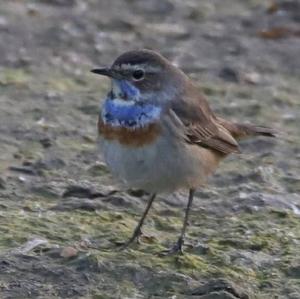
(178,245)
(137,231)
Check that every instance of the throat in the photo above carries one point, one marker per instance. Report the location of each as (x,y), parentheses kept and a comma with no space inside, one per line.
(129,114)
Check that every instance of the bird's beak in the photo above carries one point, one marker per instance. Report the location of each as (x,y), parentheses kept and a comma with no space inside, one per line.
(104,71)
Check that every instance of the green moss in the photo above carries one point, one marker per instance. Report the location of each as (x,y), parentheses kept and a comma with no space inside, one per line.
(190,262)
(170,224)
(16,77)
(265,231)
(98,170)
(31,150)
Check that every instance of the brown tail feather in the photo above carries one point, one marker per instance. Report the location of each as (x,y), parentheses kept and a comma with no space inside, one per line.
(241,131)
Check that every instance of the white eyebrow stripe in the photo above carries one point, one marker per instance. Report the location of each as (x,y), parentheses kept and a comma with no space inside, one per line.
(132,67)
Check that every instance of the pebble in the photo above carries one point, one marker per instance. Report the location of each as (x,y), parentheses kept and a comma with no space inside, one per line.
(68,252)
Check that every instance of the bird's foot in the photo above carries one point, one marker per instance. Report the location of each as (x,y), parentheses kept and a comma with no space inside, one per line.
(175,249)
(135,237)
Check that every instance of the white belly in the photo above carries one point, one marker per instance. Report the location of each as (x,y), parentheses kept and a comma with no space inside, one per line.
(164,165)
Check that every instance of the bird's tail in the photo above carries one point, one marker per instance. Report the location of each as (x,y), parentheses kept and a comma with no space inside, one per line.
(242,131)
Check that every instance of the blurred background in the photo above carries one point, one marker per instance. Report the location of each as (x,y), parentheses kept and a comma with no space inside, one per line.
(61,213)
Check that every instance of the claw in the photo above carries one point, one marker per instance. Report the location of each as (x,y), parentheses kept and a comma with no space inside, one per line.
(135,237)
(175,249)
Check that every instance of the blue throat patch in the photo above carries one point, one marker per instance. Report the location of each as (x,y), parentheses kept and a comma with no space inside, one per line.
(128,112)
(129,91)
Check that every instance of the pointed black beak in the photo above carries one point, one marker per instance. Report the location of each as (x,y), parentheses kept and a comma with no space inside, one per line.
(104,71)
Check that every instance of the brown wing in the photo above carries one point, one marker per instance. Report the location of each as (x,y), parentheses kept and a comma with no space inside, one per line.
(200,124)
(241,131)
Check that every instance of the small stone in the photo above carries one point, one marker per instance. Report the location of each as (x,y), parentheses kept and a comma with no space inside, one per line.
(46,142)
(252,78)
(136,192)
(229,74)
(69,252)
(22,179)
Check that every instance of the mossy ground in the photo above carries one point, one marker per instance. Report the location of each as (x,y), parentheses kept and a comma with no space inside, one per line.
(245,225)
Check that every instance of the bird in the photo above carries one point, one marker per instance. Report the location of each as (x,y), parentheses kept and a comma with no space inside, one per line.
(157,132)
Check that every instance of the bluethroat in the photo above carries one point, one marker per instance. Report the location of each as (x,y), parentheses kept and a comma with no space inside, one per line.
(157,132)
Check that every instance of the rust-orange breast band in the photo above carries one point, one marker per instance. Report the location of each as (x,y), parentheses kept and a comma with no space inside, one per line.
(135,137)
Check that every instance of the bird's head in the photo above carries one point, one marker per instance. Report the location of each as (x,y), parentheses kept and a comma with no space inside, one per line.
(143,76)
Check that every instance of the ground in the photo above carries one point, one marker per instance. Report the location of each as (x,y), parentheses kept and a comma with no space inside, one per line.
(61,213)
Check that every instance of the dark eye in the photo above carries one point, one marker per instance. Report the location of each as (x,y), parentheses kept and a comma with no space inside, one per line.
(138,75)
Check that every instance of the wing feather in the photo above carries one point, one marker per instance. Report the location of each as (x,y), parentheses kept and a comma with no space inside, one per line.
(200,124)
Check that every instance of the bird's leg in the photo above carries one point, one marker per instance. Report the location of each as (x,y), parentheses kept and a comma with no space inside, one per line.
(177,247)
(137,231)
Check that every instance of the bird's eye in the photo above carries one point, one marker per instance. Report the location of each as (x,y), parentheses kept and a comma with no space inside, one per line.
(138,75)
